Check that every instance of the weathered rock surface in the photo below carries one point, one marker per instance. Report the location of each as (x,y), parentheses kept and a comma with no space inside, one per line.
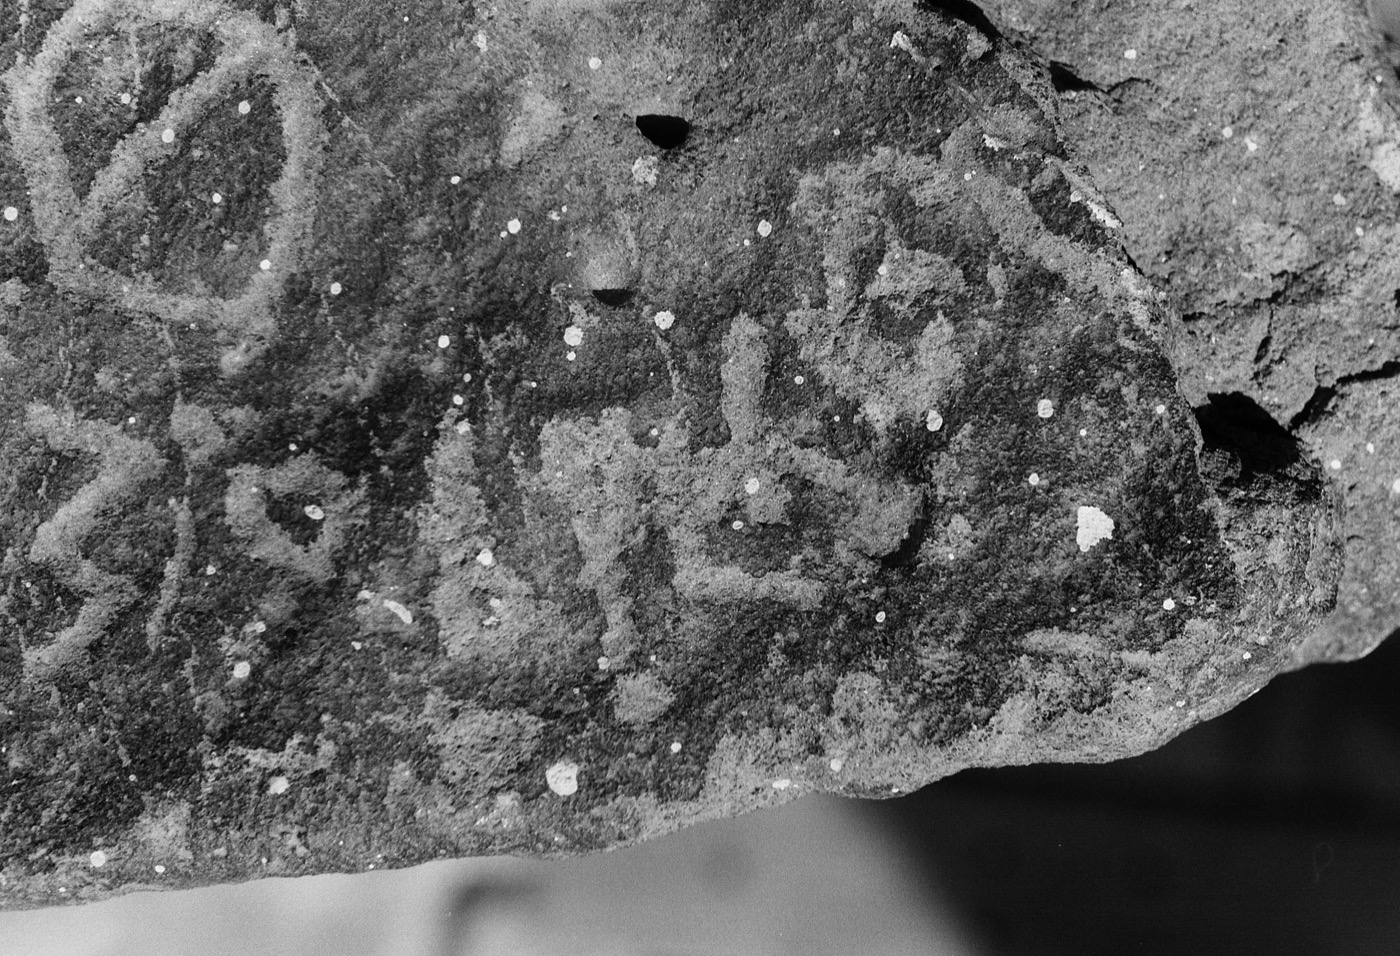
(455,430)
(1254,156)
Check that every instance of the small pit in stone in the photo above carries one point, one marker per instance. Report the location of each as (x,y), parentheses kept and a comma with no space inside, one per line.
(662,130)
(613,297)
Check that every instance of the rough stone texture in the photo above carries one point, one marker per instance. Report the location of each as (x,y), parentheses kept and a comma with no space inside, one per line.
(477,475)
(1253,153)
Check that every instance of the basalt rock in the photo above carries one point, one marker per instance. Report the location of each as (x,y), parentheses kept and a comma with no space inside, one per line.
(453,430)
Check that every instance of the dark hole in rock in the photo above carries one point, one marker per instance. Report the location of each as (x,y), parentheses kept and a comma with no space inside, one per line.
(965,11)
(1235,424)
(664,132)
(612,297)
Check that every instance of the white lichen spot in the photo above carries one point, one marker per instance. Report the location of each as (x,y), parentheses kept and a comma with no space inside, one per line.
(765,228)
(782,783)
(594,63)
(216,198)
(11,213)
(1227,132)
(1370,448)
(486,558)
(836,764)
(1246,655)
(1130,54)
(125,98)
(1339,200)
(645,170)
(1160,409)
(752,485)
(1045,408)
(1083,433)
(244,107)
(159,868)
(1169,605)
(265,265)
(97,858)
(563,778)
(934,421)
(480,40)
(1034,479)
(665,319)
(314,512)
(604,663)
(901,41)
(1395,487)
(1250,144)
(570,355)
(879,617)
(573,336)
(1094,526)
(444,341)
(675,746)
(168,136)
(798,380)
(463,427)
(399,611)
(210,570)
(278,785)
(513,226)
(241,670)
(737,525)
(336,288)
(1335,464)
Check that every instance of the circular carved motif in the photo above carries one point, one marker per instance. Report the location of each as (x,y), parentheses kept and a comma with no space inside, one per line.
(68,224)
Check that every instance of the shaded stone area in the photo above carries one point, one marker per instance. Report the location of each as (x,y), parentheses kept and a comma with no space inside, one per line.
(445,431)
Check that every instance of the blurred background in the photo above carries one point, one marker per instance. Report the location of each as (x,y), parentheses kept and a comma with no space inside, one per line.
(1273,830)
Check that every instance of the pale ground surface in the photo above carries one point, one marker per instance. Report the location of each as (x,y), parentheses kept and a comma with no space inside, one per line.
(813,877)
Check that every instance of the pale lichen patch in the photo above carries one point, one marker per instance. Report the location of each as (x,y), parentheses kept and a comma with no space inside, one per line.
(639,699)
(1093,526)
(562,778)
